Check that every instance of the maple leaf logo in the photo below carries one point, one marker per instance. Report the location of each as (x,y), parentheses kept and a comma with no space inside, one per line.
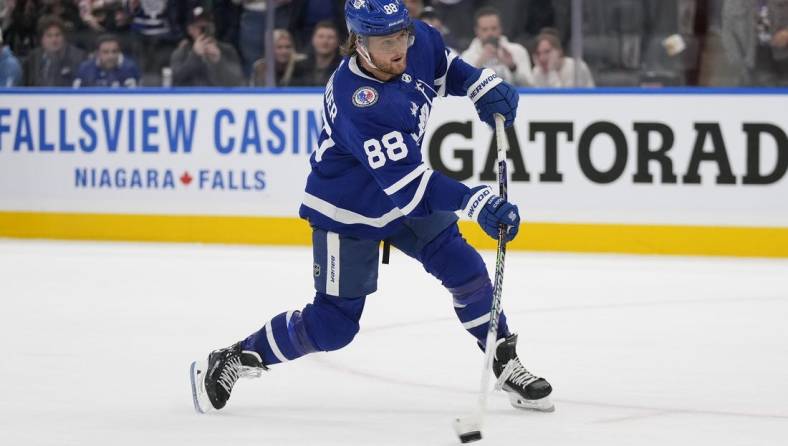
(186,179)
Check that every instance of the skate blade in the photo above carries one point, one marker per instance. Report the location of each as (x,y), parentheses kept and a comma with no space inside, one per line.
(202,404)
(541,405)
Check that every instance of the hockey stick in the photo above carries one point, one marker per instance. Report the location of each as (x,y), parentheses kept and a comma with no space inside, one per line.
(470,428)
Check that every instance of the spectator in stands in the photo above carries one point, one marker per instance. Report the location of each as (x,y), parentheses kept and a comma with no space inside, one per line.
(10,68)
(108,67)
(157,27)
(322,59)
(491,49)
(755,37)
(104,16)
(285,58)
(252,29)
(415,8)
(201,60)
(20,26)
(430,17)
(66,10)
(524,19)
(553,69)
(227,18)
(306,14)
(55,63)
(624,42)
(6,7)
(458,16)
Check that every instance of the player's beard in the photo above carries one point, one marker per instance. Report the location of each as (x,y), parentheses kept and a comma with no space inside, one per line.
(390,67)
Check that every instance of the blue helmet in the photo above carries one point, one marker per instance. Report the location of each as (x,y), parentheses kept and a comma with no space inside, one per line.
(376,17)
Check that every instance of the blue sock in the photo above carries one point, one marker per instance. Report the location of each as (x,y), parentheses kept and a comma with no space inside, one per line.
(328,323)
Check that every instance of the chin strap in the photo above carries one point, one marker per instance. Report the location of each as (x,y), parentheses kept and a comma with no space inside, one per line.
(361,48)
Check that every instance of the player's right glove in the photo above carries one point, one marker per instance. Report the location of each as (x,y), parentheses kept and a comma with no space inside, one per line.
(491,95)
(491,211)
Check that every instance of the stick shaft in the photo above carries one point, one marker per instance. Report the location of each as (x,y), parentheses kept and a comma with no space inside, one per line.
(492,331)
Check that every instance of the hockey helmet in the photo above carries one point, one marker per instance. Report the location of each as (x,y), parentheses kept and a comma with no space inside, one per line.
(376,17)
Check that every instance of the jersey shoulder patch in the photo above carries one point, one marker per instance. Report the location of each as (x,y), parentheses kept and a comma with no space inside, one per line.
(365,96)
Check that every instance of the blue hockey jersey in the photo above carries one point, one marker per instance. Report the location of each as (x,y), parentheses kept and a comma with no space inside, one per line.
(367,173)
(90,74)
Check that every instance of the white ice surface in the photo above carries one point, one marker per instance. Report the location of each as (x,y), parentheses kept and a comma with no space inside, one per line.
(96,339)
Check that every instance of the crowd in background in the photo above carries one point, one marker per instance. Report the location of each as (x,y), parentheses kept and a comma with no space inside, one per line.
(127,43)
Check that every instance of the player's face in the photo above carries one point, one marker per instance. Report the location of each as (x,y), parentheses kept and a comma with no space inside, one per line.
(389,53)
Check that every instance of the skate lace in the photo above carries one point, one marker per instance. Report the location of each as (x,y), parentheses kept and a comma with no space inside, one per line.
(230,373)
(516,374)
(520,375)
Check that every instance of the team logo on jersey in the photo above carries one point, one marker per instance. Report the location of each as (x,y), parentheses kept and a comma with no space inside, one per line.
(406,78)
(424,115)
(358,3)
(365,97)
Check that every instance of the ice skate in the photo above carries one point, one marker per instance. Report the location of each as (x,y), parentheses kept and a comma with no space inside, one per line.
(525,390)
(213,380)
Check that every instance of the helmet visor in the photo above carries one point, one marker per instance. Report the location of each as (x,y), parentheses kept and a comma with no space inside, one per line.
(390,44)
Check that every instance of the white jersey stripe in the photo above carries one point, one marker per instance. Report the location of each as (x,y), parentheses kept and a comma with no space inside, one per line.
(269,334)
(325,145)
(440,82)
(481,320)
(347,217)
(332,264)
(425,179)
(353,65)
(407,179)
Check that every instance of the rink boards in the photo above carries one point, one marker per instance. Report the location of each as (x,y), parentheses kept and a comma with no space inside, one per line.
(639,171)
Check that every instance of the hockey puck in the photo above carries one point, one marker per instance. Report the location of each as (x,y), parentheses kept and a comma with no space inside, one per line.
(471,437)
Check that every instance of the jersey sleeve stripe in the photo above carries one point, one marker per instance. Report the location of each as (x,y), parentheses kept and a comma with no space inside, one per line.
(347,217)
(407,179)
(425,179)
(440,83)
(325,145)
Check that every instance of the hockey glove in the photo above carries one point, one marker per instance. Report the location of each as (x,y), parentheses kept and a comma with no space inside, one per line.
(491,95)
(491,211)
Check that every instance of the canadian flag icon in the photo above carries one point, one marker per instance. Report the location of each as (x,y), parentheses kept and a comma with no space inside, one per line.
(186,179)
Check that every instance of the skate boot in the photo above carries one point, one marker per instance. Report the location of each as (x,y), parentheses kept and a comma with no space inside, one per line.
(213,380)
(525,390)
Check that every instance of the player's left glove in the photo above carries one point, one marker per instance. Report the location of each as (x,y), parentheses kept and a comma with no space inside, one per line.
(491,211)
(491,95)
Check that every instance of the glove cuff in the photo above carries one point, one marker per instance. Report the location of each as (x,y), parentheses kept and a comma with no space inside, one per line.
(476,201)
(486,82)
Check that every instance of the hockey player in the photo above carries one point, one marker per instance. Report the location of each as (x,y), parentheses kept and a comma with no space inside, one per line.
(368,183)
